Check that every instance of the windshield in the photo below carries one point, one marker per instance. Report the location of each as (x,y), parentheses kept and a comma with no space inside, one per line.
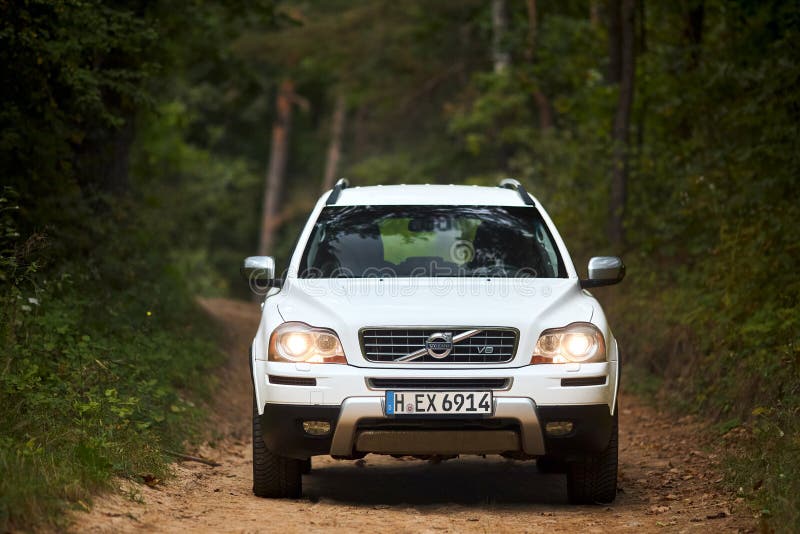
(430,241)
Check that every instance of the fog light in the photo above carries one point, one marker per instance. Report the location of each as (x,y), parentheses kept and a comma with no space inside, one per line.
(316,428)
(558,428)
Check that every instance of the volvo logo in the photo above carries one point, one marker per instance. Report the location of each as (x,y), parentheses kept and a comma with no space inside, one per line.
(439,345)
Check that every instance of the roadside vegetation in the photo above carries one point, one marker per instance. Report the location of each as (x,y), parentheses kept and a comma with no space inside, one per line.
(105,359)
(101,373)
(134,146)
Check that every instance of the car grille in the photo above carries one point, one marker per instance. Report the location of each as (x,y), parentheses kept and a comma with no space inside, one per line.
(439,383)
(488,345)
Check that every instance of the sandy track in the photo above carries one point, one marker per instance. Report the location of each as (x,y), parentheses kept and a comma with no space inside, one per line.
(667,481)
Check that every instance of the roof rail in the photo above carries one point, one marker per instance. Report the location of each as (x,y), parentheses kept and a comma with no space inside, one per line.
(510,183)
(343,183)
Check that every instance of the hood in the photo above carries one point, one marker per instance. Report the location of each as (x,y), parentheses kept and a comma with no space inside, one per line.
(346,305)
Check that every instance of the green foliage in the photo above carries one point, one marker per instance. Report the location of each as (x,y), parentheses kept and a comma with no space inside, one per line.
(73,76)
(766,466)
(133,141)
(100,371)
(103,352)
(708,316)
(724,209)
(214,191)
(83,403)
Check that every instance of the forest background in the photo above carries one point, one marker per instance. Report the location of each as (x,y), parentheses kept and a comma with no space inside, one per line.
(146,147)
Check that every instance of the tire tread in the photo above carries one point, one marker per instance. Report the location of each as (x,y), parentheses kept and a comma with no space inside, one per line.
(593,480)
(274,476)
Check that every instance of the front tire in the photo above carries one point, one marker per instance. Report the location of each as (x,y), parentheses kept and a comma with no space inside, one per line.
(593,480)
(274,476)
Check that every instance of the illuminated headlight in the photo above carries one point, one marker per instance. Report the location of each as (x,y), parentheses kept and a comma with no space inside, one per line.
(576,343)
(299,342)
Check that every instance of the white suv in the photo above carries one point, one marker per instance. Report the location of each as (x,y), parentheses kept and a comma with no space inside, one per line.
(433,321)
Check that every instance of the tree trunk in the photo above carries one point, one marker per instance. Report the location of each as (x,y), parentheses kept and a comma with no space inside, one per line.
(545,113)
(693,30)
(500,55)
(641,49)
(693,20)
(542,103)
(594,13)
(335,145)
(641,41)
(622,119)
(533,29)
(614,74)
(279,151)
(360,132)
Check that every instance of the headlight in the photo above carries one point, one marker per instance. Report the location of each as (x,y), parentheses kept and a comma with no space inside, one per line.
(575,343)
(299,342)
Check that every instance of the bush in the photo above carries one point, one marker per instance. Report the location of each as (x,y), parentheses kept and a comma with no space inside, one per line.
(102,369)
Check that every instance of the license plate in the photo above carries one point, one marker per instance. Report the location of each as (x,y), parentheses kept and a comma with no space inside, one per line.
(438,403)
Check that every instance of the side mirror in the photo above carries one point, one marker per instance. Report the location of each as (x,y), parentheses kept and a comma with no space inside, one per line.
(259,271)
(604,271)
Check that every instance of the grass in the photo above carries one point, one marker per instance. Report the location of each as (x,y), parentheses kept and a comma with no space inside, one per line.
(727,352)
(95,384)
(763,462)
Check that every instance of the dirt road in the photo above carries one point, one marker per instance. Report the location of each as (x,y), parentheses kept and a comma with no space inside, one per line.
(668,482)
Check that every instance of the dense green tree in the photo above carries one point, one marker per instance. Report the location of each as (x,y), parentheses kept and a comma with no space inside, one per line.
(135,139)
(101,346)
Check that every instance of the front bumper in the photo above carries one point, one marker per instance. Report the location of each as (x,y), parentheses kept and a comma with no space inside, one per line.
(546,385)
(347,397)
(359,426)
